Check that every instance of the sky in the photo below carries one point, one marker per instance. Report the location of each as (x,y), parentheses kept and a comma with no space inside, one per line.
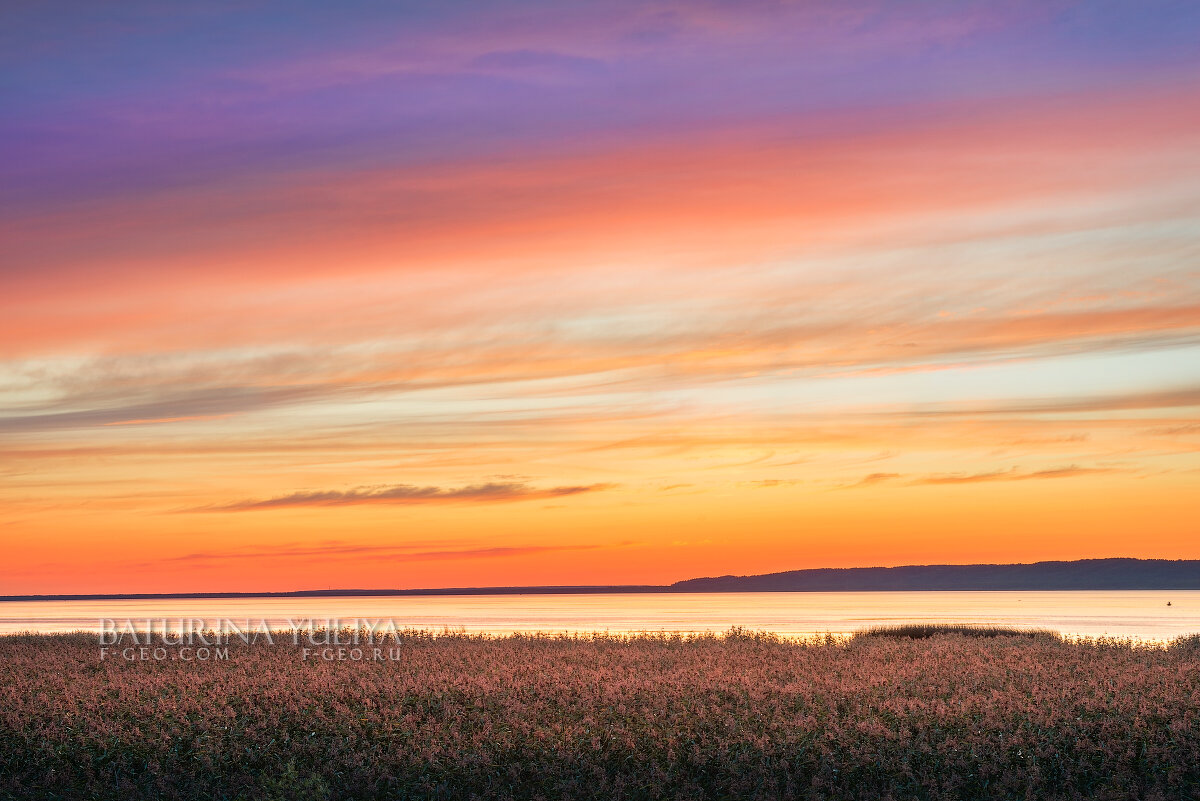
(434,294)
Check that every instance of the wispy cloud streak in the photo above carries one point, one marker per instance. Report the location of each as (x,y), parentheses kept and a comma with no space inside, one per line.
(401,494)
(351,551)
(1010,474)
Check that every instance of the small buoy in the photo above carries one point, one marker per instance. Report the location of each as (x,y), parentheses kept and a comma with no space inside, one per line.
(1168,603)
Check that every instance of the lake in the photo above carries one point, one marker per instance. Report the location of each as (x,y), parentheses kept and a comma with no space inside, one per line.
(1142,614)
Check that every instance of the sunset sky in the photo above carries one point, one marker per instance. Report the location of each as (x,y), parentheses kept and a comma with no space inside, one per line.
(308,295)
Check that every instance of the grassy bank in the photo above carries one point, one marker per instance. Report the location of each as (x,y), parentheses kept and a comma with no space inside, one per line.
(743,716)
(919,631)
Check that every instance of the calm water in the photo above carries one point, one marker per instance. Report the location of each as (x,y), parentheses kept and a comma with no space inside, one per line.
(1140,614)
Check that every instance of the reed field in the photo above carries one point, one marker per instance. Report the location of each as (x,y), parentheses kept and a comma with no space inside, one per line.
(885,715)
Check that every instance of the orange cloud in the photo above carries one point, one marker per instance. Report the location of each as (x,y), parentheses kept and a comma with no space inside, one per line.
(1012,474)
(431,241)
(351,551)
(407,494)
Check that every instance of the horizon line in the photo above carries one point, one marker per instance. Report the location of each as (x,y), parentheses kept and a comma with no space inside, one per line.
(681,586)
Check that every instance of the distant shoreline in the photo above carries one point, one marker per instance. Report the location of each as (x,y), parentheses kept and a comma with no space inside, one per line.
(1083,575)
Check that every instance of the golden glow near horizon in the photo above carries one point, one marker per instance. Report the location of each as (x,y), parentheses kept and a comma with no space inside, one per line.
(567,304)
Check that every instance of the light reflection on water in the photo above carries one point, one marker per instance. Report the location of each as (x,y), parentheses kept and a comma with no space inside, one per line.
(1142,614)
